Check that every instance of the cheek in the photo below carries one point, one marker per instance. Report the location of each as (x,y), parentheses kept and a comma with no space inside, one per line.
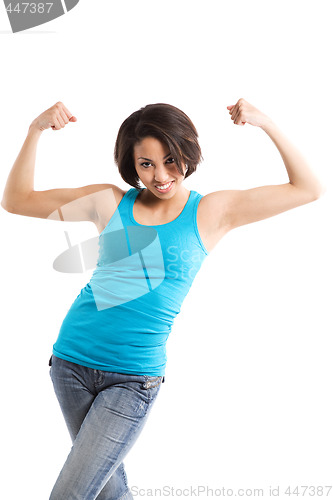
(140,171)
(176,172)
(146,173)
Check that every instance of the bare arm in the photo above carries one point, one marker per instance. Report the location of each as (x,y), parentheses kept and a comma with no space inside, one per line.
(20,182)
(234,208)
(19,197)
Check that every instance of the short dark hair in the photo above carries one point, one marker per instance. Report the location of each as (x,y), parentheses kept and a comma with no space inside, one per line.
(164,122)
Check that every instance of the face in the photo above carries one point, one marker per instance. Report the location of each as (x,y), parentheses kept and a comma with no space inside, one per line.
(156,168)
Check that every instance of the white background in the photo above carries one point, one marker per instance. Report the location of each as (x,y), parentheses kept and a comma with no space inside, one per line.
(247,401)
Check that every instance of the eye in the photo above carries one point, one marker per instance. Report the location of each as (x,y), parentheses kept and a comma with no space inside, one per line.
(145,164)
(170,160)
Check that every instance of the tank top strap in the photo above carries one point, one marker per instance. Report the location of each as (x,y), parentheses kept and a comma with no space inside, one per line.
(189,212)
(125,205)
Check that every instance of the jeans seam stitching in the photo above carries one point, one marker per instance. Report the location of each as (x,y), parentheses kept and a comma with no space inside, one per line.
(125,494)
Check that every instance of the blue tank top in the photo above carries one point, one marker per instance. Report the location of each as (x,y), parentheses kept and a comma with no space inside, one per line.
(121,319)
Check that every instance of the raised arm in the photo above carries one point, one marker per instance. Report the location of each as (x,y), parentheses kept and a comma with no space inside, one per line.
(69,204)
(233,208)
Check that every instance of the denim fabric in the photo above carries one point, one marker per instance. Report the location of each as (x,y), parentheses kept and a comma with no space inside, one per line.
(105,413)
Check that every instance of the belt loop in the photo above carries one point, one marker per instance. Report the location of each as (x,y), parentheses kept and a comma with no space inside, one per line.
(50,361)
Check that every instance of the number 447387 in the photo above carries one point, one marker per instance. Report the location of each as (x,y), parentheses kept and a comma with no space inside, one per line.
(32,8)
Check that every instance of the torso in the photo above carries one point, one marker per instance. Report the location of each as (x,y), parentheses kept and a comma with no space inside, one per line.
(208,228)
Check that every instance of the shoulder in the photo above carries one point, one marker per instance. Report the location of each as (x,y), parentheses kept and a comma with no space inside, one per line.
(106,199)
(117,190)
(212,217)
(212,206)
(108,190)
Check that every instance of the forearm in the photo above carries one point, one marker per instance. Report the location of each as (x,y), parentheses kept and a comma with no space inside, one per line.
(20,182)
(298,169)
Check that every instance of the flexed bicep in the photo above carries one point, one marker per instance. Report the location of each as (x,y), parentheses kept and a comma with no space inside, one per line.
(234,208)
(71,204)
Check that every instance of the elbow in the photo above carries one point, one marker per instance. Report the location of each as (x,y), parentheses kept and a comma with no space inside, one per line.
(4,205)
(320,191)
(314,194)
(9,208)
(311,192)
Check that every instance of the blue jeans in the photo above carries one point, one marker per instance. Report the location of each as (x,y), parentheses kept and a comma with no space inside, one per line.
(105,413)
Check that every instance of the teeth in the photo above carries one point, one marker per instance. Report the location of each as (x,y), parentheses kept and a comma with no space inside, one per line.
(165,186)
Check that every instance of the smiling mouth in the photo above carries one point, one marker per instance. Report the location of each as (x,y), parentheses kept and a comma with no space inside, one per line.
(163,187)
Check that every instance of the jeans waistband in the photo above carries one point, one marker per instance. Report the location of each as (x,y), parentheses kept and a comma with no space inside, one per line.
(50,364)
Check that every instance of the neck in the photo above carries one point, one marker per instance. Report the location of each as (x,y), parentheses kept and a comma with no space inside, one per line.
(178,199)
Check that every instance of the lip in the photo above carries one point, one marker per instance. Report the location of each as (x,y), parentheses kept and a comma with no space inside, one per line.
(165,190)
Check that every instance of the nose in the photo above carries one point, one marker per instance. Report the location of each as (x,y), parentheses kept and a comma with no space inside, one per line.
(161,174)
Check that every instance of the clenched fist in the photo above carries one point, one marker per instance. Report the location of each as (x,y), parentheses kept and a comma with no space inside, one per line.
(55,117)
(243,112)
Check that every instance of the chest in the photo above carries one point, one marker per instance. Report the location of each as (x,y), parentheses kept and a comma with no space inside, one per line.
(209,230)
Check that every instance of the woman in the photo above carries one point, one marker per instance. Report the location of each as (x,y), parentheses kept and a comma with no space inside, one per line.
(108,362)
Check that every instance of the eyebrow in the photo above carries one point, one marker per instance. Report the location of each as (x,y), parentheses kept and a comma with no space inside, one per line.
(142,158)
